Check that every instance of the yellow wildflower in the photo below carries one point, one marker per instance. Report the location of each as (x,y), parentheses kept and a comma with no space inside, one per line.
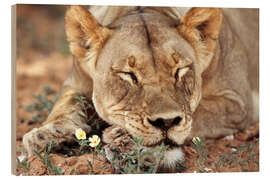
(80,134)
(94,141)
(195,140)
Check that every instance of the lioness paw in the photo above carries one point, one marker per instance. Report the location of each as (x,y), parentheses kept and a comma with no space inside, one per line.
(117,141)
(59,132)
(118,138)
(36,139)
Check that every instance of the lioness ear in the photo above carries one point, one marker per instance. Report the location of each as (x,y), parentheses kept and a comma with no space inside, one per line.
(84,32)
(201,27)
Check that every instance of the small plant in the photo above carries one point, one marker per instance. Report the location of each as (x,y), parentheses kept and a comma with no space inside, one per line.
(74,172)
(22,162)
(84,142)
(42,106)
(46,159)
(236,157)
(96,149)
(89,114)
(91,167)
(24,165)
(139,160)
(93,142)
(199,147)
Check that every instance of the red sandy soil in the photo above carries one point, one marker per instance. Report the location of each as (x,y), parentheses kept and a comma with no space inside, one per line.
(36,68)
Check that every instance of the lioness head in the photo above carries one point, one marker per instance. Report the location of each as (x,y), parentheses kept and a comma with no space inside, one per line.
(146,68)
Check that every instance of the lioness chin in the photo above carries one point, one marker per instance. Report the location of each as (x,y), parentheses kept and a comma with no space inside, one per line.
(163,74)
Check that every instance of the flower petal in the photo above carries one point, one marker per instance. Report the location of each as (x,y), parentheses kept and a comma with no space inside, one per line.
(98,140)
(92,145)
(80,134)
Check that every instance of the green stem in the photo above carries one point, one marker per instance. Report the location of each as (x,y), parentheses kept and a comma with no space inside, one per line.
(93,155)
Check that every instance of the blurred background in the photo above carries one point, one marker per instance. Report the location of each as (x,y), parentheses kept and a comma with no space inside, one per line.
(43,62)
(41,28)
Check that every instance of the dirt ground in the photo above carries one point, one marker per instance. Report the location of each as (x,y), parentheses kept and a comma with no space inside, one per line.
(49,63)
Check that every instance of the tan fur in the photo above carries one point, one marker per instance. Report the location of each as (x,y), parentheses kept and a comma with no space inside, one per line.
(155,63)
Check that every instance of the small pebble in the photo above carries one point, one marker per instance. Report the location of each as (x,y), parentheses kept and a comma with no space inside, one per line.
(230,137)
(21,158)
(207,169)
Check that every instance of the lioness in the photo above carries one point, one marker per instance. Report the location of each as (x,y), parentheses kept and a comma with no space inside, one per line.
(164,74)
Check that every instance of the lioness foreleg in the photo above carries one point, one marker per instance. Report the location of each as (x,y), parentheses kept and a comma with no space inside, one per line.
(60,125)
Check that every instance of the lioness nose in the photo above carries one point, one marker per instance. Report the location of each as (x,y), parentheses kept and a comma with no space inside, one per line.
(165,124)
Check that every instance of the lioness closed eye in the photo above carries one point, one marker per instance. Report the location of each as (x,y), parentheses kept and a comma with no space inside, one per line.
(163,74)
